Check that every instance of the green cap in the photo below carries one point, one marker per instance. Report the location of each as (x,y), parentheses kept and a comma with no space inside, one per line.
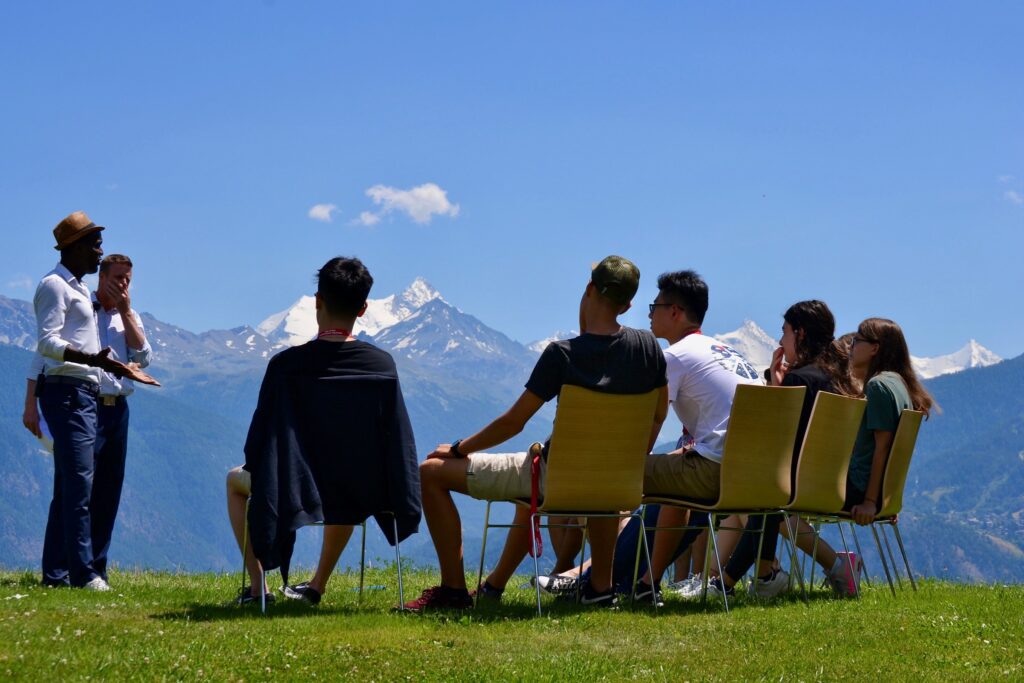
(616,278)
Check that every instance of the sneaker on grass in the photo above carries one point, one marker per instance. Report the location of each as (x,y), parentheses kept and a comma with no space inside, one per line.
(591,598)
(245,597)
(695,591)
(302,592)
(646,593)
(684,584)
(844,581)
(776,584)
(556,584)
(488,592)
(97,584)
(440,597)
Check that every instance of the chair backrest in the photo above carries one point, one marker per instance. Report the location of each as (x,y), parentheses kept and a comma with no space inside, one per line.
(898,464)
(757,460)
(597,451)
(825,454)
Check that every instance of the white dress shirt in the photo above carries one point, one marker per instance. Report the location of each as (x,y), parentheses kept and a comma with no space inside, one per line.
(64,317)
(111,333)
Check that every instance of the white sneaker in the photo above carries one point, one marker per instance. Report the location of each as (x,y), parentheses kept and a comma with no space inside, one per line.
(684,585)
(770,588)
(695,589)
(844,582)
(97,584)
(556,584)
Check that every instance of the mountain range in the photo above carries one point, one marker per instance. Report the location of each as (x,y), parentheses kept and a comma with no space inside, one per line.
(457,374)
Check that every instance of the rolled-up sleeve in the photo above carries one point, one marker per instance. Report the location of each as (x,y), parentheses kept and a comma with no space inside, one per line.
(36,367)
(144,355)
(51,309)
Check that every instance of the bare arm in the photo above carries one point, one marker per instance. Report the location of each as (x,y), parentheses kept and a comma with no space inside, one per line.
(660,413)
(498,431)
(30,418)
(866,511)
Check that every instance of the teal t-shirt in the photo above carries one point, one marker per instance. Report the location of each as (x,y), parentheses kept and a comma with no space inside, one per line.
(887,398)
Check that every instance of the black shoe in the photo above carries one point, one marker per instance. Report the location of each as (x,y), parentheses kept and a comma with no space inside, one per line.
(302,592)
(245,597)
(488,592)
(646,593)
(591,598)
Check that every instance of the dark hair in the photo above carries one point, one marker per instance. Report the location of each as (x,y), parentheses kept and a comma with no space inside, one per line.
(894,356)
(817,345)
(343,284)
(112,259)
(686,289)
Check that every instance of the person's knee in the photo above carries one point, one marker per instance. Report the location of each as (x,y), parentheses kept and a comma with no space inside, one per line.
(238,482)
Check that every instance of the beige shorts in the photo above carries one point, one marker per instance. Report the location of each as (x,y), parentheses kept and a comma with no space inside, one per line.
(501,476)
(686,474)
(240,481)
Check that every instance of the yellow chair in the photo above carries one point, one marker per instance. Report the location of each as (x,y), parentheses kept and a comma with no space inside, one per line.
(595,465)
(824,459)
(757,460)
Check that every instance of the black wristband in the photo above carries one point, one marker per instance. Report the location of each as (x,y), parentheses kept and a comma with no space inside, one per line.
(455,449)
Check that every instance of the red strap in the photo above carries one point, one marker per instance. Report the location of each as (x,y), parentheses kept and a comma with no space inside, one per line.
(537,547)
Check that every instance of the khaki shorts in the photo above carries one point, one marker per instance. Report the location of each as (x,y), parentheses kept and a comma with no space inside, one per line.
(501,476)
(240,481)
(686,474)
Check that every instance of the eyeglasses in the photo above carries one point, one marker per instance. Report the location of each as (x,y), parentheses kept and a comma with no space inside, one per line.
(860,340)
(651,307)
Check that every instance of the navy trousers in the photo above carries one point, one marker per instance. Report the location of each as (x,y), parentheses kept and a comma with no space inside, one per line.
(70,411)
(109,455)
(625,546)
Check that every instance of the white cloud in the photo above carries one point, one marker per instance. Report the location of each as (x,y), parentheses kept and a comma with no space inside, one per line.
(1005,179)
(1014,197)
(20,282)
(420,203)
(323,212)
(368,218)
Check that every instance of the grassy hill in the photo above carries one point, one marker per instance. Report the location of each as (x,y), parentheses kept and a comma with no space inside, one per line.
(161,626)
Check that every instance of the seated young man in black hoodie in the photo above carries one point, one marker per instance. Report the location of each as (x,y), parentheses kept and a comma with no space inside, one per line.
(605,357)
(343,285)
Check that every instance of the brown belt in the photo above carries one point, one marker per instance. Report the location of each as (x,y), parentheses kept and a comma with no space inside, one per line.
(109,399)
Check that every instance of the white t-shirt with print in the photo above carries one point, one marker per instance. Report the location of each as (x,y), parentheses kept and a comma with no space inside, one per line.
(702,377)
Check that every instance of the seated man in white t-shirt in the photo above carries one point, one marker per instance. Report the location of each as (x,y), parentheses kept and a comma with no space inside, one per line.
(703,374)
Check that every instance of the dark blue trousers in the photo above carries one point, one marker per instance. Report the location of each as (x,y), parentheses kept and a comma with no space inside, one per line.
(70,411)
(109,455)
(625,546)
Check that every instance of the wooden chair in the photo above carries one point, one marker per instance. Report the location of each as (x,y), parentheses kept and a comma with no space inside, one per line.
(595,465)
(757,461)
(824,459)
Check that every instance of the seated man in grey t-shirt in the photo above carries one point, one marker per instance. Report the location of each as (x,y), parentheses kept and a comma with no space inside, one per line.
(605,357)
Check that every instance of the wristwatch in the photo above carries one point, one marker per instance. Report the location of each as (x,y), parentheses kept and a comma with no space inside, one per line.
(454,449)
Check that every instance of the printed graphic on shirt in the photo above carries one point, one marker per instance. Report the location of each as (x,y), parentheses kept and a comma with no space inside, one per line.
(731,359)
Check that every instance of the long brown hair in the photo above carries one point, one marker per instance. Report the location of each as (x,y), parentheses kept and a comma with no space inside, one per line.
(818,346)
(894,356)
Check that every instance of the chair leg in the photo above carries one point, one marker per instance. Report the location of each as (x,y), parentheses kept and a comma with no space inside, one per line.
(892,558)
(760,546)
(881,556)
(849,561)
(794,559)
(583,554)
(718,561)
(263,593)
(860,554)
(483,550)
(245,546)
(647,556)
(816,529)
(362,561)
(639,546)
(903,551)
(398,563)
(707,562)
(534,522)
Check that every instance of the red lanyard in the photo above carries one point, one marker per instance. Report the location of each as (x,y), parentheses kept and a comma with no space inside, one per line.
(335,332)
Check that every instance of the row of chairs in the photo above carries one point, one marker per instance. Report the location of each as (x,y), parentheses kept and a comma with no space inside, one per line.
(596,465)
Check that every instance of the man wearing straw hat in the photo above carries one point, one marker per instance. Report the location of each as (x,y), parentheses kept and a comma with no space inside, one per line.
(69,340)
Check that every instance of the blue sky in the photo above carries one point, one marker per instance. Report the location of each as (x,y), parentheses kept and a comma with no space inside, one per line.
(865,154)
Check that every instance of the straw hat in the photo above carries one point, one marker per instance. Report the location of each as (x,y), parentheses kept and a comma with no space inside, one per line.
(74,227)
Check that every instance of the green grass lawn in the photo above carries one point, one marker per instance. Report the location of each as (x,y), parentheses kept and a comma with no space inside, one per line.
(165,626)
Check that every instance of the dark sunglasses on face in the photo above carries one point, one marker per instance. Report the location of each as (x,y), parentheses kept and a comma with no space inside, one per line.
(651,307)
(861,340)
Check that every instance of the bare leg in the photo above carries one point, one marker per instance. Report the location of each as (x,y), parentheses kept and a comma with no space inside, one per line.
(438,478)
(602,532)
(517,545)
(681,567)
(237,495)
(697,551)
(666,541)
(335,538)
(565,542)
(825,556)
(728,538)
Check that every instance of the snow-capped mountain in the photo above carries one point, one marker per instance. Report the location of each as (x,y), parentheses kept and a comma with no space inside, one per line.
(541,344)
(972,355)
(297,324)
(754,343)
(18,326)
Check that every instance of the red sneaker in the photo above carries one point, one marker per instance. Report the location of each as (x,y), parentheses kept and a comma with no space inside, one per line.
(441,597)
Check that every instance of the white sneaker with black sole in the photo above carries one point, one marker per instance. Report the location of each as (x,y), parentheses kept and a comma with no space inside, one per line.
(771,587)
(556,584)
